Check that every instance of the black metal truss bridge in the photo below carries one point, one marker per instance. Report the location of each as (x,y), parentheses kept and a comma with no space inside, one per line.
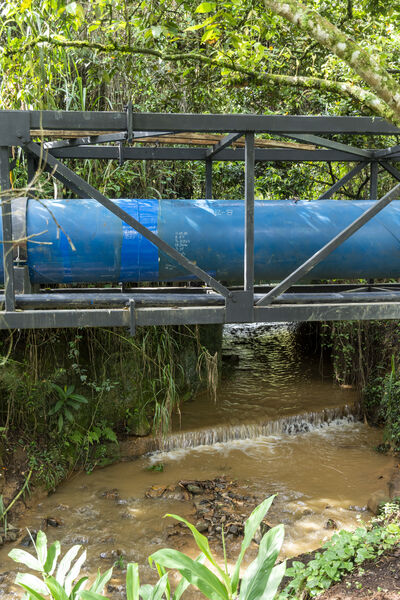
(110,135)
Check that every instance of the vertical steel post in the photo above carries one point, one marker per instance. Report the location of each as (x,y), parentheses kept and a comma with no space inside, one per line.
(373,186)
(7,229)
(249,213)
(208,179)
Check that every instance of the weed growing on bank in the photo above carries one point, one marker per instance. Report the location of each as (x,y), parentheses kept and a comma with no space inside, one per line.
(344,552)
(366,355)
(66,396)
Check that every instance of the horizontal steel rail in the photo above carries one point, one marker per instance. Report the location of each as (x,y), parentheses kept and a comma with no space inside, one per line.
(60,300)
(146,316)
(177,122)
(227,154)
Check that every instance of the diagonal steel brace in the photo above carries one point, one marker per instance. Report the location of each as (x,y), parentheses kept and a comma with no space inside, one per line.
(59,170)
(343,180)
(326,143)
(314,260)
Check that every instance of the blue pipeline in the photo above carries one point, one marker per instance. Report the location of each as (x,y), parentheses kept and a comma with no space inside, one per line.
(73,241)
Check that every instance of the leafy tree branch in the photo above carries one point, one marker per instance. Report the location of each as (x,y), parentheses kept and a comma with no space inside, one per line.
(358,58)
(340,88)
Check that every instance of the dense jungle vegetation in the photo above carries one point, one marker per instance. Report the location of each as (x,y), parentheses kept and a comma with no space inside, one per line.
(270,57)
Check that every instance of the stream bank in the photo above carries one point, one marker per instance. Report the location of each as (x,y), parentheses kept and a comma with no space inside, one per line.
(68,397)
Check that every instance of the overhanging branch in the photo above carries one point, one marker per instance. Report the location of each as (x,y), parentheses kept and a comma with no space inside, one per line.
(340,88)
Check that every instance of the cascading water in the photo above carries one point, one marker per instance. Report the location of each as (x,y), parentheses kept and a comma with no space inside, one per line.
(291,425)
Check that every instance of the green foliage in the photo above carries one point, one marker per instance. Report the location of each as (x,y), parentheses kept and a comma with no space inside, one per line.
(260,580)
(62,582)
(389,406)
(68,402)
(66,395)
(158,467)
(366,355)
(341,555)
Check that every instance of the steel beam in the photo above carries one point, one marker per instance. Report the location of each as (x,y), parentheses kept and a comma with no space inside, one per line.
(85,141)
(249,214)
(209,180)
(60,300)
(329,247)
(387,152)
(324,312)
(8,260)
(229,154)
(332,145)
(343,180)
(390,169)
(121,317)
(279,124)
(373,184)
(90,192)
(224,143)
(32,170)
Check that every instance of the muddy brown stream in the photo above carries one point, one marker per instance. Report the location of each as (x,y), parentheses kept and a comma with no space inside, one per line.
(279,426)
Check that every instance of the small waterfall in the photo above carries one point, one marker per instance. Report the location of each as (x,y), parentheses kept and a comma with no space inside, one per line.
(291,425)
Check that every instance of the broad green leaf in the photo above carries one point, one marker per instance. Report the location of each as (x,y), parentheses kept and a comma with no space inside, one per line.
(195,27)
(210,34)
(58,389)
(160,587)
(25,4)
(56,590)
(65,564)
(41,547)
(101,581)
(196,573)
(21,556)
(184,583)
(79,398)
(257,575)
(52,556)
(79,586)
(203,546)
(273,582)
(56,407)
(146,591)
(206,7)
(161,572)
(250,528)
(32,592)
(69,415)
(87,595)
(33,582)
(74,572)
(132,581)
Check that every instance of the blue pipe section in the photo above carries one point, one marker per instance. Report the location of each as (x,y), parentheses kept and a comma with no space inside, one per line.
(79,241)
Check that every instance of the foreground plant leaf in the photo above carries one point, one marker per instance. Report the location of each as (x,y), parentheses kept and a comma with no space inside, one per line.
(250,528)
(196,573)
